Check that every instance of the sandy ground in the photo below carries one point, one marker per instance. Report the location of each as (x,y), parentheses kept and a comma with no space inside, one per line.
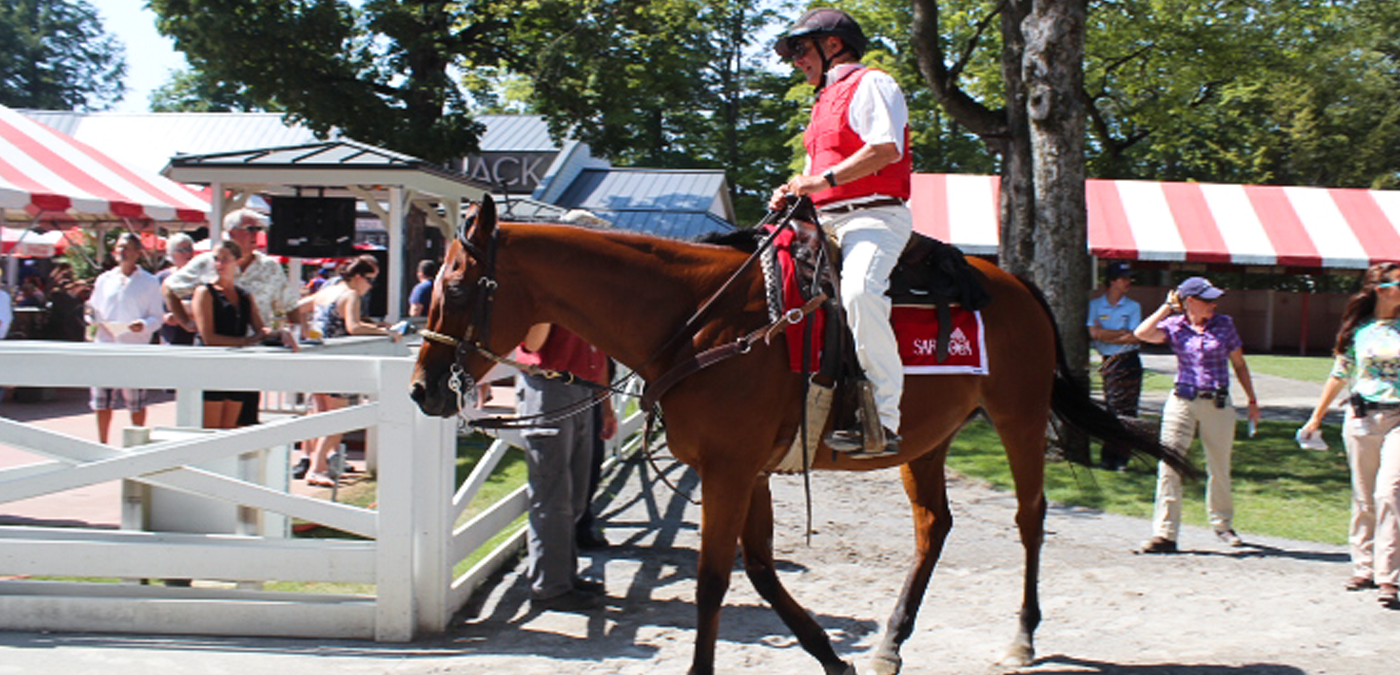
(1274,607)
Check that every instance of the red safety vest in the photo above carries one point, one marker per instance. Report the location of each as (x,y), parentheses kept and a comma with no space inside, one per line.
(830,139)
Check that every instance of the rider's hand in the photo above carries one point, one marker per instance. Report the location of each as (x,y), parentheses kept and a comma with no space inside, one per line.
(778,201)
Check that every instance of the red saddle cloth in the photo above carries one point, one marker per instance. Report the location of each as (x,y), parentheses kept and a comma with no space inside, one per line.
(915,329)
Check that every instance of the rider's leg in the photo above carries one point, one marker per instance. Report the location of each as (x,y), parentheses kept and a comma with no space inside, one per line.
(871,242)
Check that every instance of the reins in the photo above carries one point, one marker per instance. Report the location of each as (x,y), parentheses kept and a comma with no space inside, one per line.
(463,385)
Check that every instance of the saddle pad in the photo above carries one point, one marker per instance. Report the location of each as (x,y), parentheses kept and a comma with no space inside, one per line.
(915,326)
(916,331)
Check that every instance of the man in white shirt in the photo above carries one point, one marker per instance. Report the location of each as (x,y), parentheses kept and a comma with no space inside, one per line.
(126,308)
(858,176)
(263,277)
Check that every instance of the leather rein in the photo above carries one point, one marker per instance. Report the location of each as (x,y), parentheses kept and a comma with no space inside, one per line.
(463,385)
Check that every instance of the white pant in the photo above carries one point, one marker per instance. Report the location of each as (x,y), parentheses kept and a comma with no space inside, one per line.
(871,241)
(1180,418)
(1373,451)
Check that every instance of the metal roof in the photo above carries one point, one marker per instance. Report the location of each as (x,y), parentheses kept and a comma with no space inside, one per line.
(516,133)
(149,140)
(667,224)
(644,189)
(342,163)
(680,203)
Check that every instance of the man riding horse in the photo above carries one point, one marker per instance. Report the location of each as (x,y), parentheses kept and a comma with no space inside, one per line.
(858,176)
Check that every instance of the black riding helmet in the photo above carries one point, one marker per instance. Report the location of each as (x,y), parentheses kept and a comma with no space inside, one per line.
(819,22)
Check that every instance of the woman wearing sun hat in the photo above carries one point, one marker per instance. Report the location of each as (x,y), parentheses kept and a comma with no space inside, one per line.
(1206,346)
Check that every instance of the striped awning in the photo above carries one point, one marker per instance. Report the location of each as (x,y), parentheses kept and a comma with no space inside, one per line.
(49,176)
(1187,222)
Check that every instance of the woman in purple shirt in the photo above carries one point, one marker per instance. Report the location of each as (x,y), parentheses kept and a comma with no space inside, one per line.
(1206,345)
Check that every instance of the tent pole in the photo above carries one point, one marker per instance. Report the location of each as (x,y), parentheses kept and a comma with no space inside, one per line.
(395,227)
(216,213)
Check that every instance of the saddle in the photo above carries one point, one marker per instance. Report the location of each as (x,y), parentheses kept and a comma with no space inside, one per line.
(929,274)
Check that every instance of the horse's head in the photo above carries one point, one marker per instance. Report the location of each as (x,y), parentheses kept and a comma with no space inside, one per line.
(461,317)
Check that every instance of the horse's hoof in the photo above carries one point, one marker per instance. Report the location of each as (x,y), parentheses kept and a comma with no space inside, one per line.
(886,664)
(1017,656)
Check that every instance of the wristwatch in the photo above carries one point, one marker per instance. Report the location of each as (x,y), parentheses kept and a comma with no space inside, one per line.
(830,177)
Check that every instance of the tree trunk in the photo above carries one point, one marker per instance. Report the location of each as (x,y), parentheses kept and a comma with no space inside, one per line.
(1054,77)
(1018,227)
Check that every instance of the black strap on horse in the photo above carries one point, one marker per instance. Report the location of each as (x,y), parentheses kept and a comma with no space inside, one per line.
(478,335)
(655,390)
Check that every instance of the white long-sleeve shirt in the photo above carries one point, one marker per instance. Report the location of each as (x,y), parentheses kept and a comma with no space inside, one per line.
(121,299)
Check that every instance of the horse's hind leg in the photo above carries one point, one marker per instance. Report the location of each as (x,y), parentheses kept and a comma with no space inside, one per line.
(1024,440)
(758,564)
(927,488)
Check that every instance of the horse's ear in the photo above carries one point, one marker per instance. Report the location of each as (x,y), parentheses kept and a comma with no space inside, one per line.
(486,217)
(479,223)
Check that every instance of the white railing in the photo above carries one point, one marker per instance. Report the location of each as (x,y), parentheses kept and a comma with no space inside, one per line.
(410,542)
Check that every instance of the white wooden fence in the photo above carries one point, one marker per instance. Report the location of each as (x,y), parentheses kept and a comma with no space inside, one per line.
(410,542)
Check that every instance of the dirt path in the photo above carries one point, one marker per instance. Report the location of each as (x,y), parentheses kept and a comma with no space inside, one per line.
(1273,608)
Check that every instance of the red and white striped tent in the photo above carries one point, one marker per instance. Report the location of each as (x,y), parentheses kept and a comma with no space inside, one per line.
(1187,222)
(47,176)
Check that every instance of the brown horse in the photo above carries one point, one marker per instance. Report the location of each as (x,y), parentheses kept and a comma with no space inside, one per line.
(629,295)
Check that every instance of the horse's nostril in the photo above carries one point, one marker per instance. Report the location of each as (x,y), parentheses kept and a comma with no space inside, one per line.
(417,392)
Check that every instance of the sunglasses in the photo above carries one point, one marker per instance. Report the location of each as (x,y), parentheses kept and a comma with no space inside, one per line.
(249,228)
(799,49)
(1388,284)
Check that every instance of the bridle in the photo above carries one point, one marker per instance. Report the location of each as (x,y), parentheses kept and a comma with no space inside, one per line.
(463,385)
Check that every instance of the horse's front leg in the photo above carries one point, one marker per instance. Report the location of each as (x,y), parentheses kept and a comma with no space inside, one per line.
(758,564)
(927,488)
(724,502)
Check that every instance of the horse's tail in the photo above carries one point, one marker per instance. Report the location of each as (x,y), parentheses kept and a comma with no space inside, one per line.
(1073,406)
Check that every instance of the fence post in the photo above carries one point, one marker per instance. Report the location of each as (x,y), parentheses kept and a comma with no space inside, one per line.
(394,619)
(434,466)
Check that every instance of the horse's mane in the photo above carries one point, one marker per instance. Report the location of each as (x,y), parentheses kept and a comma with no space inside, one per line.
(745,240)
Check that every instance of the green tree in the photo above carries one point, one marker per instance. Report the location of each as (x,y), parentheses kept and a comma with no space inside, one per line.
(669,84)
(55,55)
(1272,91)
(381,73)
(190,90)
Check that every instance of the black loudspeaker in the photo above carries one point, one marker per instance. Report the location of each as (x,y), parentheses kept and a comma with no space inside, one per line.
(312,227)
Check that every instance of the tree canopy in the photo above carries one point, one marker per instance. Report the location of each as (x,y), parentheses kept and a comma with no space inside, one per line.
(55,55)
(379,73)
(1267,91)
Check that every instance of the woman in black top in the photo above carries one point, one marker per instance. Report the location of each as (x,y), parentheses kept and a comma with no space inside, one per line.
(223,313)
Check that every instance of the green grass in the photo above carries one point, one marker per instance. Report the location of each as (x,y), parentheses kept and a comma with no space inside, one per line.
(508,475)
(1305,368)
(1279,489)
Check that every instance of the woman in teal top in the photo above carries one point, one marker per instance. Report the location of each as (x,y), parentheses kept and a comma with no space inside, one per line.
(1368,359)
